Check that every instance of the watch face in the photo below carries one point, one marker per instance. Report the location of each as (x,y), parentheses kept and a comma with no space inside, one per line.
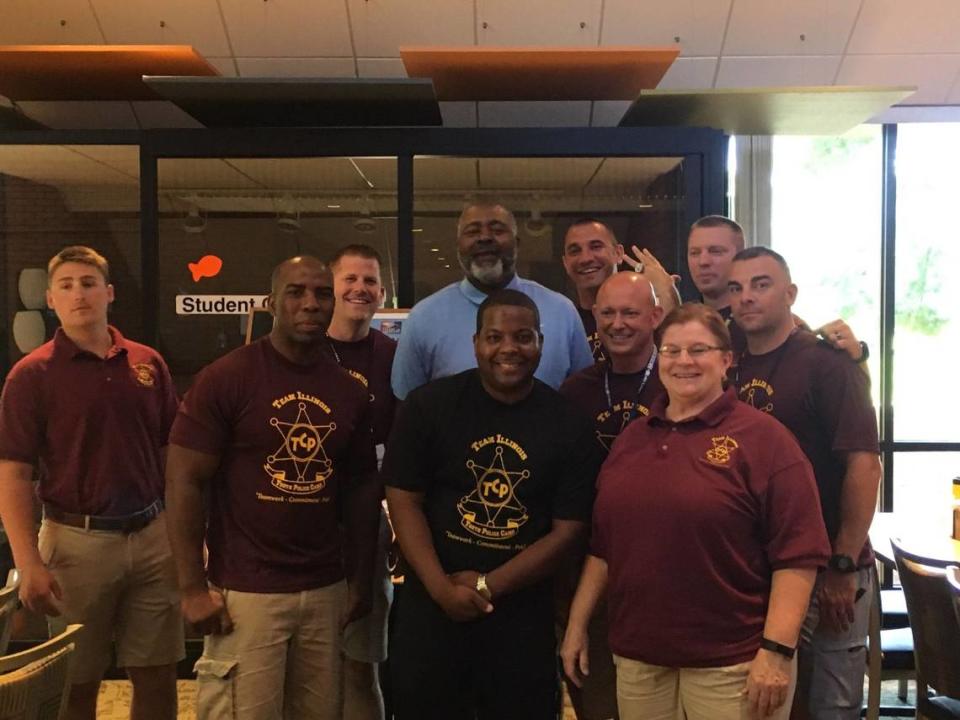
(842,563)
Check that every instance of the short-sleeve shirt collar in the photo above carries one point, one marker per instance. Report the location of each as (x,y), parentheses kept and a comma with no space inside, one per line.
(711,416)
(477,296)
(62,344)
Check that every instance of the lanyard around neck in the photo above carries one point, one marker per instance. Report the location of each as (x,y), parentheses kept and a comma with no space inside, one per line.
(643,382)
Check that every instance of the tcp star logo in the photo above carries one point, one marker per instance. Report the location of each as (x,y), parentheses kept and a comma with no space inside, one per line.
(300,466)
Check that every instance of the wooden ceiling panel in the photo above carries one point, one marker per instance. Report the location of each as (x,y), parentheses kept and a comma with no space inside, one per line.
(529,73)
(920,26)
(171,22)
(761,27)
(50,22)
(775,71)
(699,24)
(537,22)
(287,28)
(382,26)
(92,72)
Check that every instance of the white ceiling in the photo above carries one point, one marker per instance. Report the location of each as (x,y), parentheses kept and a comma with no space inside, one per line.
(724,43)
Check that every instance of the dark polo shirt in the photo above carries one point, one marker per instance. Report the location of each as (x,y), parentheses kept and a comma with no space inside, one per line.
(290,438)
(96,425)
(692,519)
(824,400)
(587,389)
(593,337)
(370,362)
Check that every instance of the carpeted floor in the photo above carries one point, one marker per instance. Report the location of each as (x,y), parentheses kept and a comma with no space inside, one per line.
(114,701)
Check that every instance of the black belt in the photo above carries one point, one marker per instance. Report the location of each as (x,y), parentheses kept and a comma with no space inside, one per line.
(113,523)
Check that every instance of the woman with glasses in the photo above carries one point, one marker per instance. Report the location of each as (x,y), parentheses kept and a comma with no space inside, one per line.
(706,536)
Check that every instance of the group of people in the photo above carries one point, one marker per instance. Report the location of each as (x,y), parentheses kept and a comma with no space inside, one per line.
(674,497)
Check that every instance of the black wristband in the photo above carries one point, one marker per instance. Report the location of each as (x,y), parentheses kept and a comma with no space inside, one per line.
(864,352)
(778,648)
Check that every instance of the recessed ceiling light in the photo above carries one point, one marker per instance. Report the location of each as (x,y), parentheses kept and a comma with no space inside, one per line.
(440,258)
(644,205)
(418,229)
(434,249)
(334,207)
(447,267)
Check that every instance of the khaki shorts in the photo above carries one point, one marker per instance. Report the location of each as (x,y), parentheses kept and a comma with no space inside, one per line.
(123,588)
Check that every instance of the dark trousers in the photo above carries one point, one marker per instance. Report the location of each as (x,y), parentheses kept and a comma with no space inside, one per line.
(500,667)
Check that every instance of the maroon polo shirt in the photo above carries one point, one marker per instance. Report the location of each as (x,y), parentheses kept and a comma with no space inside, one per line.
(692,519)
(370,361)
(593,337)
(290,439)
(823,398)
(630,397)
(95,425)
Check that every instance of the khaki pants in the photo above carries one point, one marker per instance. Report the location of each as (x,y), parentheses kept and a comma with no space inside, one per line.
(123,588)
(652,692)
(282,660)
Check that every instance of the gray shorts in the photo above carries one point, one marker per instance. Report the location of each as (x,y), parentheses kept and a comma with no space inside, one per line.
(366,639)
(832,664)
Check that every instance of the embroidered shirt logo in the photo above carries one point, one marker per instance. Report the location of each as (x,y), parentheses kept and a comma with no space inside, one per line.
(723,447)
(144,374)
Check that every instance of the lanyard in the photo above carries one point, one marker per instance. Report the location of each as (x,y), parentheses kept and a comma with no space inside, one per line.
(646,376)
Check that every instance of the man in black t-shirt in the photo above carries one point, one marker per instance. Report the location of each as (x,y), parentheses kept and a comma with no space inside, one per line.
(489,477)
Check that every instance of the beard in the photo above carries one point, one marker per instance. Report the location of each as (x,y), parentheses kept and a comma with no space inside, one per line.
(487,274)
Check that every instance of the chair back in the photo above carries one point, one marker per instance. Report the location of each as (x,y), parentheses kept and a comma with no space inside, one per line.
(953,578)
(9,604)
(936,631)
(34,683)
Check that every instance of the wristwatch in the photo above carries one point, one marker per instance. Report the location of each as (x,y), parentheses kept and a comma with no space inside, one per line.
(864,352)
(482,587)
(842,563)
(779,648)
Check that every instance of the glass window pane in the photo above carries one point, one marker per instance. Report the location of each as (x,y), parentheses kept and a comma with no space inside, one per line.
(927,335)
(52,196)
(641,199)
(251,214)
(922,488)
(826,217)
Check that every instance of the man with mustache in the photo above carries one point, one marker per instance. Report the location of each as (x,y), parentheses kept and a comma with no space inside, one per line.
(436,337)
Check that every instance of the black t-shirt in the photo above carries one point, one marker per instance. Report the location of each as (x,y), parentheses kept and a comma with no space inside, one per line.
(494,476)
(593,337)
(823,398)
(630,398)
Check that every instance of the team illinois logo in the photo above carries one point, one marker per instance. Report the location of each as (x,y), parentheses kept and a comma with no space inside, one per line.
(757,393)
(720,453)
(300,466)
(144,374)
(492,510)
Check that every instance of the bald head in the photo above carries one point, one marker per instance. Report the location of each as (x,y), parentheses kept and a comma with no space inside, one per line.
(282,271)
(627,313)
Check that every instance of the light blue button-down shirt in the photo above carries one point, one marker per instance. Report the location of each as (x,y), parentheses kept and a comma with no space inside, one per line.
(437,337)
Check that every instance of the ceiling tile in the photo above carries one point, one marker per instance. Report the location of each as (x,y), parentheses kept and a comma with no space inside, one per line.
(538,22)
(163,114)
(919,26)
(200,174)
(59,165)
(741,72)
(323,174)
(51,22)
(698,23)
(287,28)
(172,22)
(225,66)
(81,115)
(536,173)
(125,159)
(919,113)
(459,114)
(381,67)
(761,27)
(534,114)
(296,67)
(444,173)
(954,97)
(381,26)
(932,74)
(607,113)
(690,74)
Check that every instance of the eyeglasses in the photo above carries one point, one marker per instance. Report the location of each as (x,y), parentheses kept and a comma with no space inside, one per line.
(694,352)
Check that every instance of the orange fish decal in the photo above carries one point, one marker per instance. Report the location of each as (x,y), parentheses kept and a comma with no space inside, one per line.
(207,266)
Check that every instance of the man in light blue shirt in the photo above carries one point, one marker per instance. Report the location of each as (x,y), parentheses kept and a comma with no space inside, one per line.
(437,338)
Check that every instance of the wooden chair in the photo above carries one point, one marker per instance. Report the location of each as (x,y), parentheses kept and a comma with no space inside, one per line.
(936,634)
(889,657)
(34,683)
(9,603)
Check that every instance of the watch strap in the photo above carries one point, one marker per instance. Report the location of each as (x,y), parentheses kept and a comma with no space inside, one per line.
(482,587)
(779,648)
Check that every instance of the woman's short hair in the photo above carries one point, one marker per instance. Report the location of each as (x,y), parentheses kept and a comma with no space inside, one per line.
(703,314)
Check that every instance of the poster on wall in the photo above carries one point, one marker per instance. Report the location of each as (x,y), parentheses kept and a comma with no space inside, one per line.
(389,322)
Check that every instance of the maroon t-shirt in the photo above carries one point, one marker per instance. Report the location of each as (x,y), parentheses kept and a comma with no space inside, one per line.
(630,397)
(692,519)
(823,398)
(95,425)
(593,337)
(370,361)
(290,437)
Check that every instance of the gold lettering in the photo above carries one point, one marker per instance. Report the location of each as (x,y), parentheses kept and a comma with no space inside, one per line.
(481,443)
(502,440)
(315,400)
(270,498)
